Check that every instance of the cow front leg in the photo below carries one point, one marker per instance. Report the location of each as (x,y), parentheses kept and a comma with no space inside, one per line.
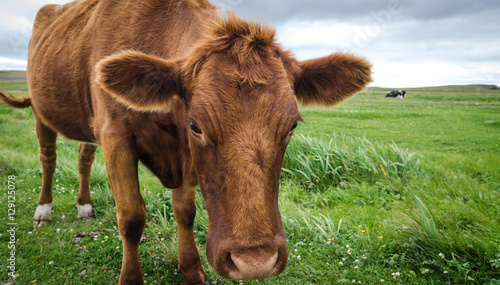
(85,160)
(121,165)
(47,140)
(189,259)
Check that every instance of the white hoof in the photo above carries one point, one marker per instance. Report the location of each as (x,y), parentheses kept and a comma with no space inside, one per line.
(84,211)
(42,214)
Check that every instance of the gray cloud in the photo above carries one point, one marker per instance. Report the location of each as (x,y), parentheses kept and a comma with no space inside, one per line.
(280,11)
(13,44)
(432,10)
(394,34)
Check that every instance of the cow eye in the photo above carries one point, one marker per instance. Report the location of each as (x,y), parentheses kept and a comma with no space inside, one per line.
(293,127)
(194,127)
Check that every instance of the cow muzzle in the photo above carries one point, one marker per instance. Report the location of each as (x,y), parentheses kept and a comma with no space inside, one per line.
(255,262)
(250,266)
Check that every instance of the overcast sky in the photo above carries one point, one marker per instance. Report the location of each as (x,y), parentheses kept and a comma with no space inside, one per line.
(410,42)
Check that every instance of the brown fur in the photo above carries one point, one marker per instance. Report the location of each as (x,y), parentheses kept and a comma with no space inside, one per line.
(161,66)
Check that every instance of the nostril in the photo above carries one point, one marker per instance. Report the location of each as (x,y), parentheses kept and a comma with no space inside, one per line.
(229,263)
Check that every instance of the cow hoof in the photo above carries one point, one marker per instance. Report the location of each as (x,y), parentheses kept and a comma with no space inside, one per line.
(42,214)
(84,211)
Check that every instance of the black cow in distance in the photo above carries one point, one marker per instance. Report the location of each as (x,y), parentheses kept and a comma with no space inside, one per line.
(401,94)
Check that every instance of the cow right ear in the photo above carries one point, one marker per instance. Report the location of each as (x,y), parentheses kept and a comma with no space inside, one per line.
(140,81)
(329,80)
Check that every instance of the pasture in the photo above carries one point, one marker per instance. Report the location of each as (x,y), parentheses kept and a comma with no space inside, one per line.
(375,191)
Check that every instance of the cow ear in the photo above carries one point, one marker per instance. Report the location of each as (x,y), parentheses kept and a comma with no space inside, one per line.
(330,80)
(140,81)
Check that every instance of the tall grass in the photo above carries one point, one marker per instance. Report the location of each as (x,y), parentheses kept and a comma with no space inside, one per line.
(432,250)
(421,232)
(319,163)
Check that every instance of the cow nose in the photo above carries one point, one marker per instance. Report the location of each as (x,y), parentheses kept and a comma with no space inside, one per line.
(253,265)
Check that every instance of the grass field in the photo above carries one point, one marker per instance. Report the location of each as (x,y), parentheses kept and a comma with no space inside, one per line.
(375,191)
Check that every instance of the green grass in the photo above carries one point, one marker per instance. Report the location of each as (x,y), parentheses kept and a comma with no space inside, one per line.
(319,163)
(375,189)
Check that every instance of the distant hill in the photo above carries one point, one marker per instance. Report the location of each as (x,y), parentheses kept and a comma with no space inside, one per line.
(473,94)
(13,75)
(446,88)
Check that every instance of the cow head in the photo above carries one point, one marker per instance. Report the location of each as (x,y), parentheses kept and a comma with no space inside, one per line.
(240,91)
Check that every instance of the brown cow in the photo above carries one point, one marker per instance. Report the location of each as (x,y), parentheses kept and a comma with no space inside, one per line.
(197,97)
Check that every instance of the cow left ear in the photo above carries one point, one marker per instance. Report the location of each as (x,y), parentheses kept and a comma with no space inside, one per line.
(330,80)
(140,81)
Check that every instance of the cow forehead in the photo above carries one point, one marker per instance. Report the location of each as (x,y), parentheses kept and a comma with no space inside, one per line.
(233,103)
(225,85)
(224,104)
(223,70)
